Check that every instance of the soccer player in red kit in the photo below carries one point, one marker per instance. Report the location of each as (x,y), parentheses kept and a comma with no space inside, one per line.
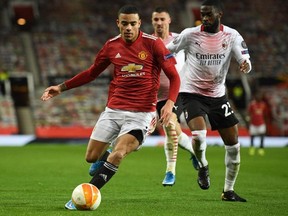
(131,107)
(210,47)
(257,110)
(173,133)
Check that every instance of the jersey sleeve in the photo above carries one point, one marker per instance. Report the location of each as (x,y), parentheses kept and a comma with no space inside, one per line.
(164,57)
(167,62)
(179,42)
(174,79)
(240,49)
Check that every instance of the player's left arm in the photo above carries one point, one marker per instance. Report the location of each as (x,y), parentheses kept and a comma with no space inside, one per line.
(173,76)
(167,62)
(241,53)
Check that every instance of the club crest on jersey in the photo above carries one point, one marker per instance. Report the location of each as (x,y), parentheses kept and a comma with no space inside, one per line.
(131,68)
(224,44)
(142,55)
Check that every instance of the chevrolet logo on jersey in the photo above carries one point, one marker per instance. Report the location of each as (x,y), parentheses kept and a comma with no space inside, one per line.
(132,68)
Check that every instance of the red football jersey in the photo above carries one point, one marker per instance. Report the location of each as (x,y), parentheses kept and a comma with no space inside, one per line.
(137,68)
(257,112)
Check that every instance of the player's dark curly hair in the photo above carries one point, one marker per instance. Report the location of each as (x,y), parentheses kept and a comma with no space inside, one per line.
(215,3)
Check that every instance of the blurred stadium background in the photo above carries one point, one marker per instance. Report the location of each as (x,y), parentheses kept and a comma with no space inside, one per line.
(45,42)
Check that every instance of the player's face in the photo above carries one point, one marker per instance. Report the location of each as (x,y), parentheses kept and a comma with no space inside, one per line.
(210,18)
(161,22)
(129,25)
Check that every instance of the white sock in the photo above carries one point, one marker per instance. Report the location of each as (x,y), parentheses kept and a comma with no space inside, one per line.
(232,162)
(184,142)
(171,148)
(199,146)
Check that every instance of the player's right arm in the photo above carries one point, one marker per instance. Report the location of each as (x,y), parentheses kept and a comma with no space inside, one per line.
(179,42)
(86,76)
(76,81)
(167,63)
(53,91)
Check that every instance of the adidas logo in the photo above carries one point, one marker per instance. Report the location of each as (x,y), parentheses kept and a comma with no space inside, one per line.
(104,176)
(118,55)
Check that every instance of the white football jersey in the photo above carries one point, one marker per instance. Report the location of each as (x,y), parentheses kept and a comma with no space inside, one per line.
(208,58)
(163,92)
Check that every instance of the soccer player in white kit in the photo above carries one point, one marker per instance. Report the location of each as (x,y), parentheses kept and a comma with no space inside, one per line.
(209,49)
(137,58)
(173,133)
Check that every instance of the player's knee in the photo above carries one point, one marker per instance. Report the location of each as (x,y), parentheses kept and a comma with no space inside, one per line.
(230,137)
(230,141)
(91,157)
(171,133)
(116,157)
(170,128)
(199,136)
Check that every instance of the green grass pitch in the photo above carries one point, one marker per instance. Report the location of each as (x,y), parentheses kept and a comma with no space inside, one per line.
(38,179)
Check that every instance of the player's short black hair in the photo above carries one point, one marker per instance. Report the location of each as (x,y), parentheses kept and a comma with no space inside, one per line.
(161,9)
(128,9)
(215,3)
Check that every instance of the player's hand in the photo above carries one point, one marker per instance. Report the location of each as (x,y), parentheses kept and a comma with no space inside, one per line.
(50,92)
(166,113)
(245,67)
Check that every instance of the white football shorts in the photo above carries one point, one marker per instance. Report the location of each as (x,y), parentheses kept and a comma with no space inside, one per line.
(257,130)
(113,123)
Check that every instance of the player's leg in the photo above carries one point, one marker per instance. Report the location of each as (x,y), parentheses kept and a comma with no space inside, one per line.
(194,111)
(170,149)
(199,145)
(252,132)
(232,162)
(198,128)
(94,150)
(106,130)
(125,144)
(262,132)
(261,148)
(183,140)
(185,143)
(170,145)
(134,127)
(252,141)
(97,164)
(222,118)
(252,148)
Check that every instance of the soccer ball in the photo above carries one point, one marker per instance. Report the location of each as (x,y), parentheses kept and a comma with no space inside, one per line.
(86,197)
